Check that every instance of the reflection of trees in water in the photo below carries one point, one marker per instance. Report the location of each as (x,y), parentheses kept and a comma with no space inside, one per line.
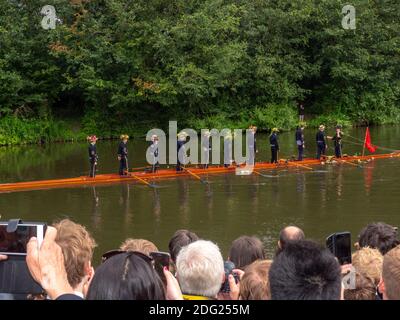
(16,160)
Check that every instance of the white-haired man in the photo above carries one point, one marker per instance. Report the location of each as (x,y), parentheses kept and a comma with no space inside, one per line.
(200,270)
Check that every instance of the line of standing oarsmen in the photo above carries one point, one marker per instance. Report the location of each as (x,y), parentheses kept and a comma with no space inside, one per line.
(122,154)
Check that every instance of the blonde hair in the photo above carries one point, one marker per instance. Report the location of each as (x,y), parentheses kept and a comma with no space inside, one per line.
(254,284)
(141,245)
(369,263)
(391,273)
(77,246)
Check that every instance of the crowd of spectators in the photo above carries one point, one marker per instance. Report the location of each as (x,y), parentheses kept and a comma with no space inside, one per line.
(301,269)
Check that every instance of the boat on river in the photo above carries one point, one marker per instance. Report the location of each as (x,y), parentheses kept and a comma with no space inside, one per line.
(145,177)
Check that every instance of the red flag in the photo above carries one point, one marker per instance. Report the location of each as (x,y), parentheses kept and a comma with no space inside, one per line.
(368,143)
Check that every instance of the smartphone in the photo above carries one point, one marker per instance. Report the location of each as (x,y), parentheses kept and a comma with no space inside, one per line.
(14,243)
(339,244)
(161,260)
(228,268)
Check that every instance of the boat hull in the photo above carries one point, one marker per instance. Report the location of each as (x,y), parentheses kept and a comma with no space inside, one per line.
(104,179)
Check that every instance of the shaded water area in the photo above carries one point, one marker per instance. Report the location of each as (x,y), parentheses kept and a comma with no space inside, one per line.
(327,199)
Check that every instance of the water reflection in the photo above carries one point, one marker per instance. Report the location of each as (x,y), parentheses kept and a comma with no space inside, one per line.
(183,199)
(156,204)
(96,214)
(368,176)
(125,203)
(339,182)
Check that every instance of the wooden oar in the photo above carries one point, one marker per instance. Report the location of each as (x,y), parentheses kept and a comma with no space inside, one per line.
(348,162)
(264,175)
(195,175)
(143,181)
(298,165)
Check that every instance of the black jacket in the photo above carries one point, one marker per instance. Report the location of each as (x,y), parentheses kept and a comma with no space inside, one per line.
(92,152)
(320,137)
(123,149)
(299,135)
(273,140)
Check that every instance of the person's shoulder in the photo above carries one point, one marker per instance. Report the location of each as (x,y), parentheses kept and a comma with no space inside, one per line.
(69,296)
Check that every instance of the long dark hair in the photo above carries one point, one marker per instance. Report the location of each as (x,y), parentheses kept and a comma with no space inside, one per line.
(126,276)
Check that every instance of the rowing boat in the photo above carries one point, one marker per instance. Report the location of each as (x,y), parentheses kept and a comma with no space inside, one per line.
(104,179)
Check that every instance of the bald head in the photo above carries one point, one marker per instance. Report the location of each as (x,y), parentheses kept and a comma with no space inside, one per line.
(288,234)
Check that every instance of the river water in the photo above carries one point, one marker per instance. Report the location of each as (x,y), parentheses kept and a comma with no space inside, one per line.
(327,199)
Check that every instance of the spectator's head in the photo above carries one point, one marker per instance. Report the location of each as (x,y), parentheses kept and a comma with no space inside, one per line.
(180,239)
(379,235)
(77,246)
(139,245)
(126,276)
(288,234)
(200,269)
(254,284)
(368,262)
(245,250)
(305,271)
(389,285)
(365,289)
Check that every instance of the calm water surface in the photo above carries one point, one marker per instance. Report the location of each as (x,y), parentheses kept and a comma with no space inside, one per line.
(328,199)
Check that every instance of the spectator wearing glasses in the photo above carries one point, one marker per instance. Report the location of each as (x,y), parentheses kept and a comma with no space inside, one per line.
(139,245)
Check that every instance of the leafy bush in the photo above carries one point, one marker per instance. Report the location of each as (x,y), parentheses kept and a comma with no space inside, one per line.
(14,130)
(283,117)
(330,120)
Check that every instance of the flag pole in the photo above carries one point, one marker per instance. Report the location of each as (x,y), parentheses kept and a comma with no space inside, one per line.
(365,140)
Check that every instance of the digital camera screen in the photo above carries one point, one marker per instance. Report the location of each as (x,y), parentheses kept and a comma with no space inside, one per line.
(343,248)
(15,242)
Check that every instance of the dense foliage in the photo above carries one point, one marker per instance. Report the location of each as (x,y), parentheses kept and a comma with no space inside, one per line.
(129,65)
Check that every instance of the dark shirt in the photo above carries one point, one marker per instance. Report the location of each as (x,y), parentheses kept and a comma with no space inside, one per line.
(299,135)
(273,140)
(179,145)
(337,140)
(92,152)
(320,137)
(69,296)
(123,149)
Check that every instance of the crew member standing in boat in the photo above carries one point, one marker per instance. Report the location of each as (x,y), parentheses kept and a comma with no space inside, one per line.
(252,143)
(206,148)
(228,149)
(321,143)
(273,140)
(337,140)
(300,141)
(123,155)
(93,157)
(180,149)
(154,152)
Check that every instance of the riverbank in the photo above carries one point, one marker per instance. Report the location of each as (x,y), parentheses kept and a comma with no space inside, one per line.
(18,131)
